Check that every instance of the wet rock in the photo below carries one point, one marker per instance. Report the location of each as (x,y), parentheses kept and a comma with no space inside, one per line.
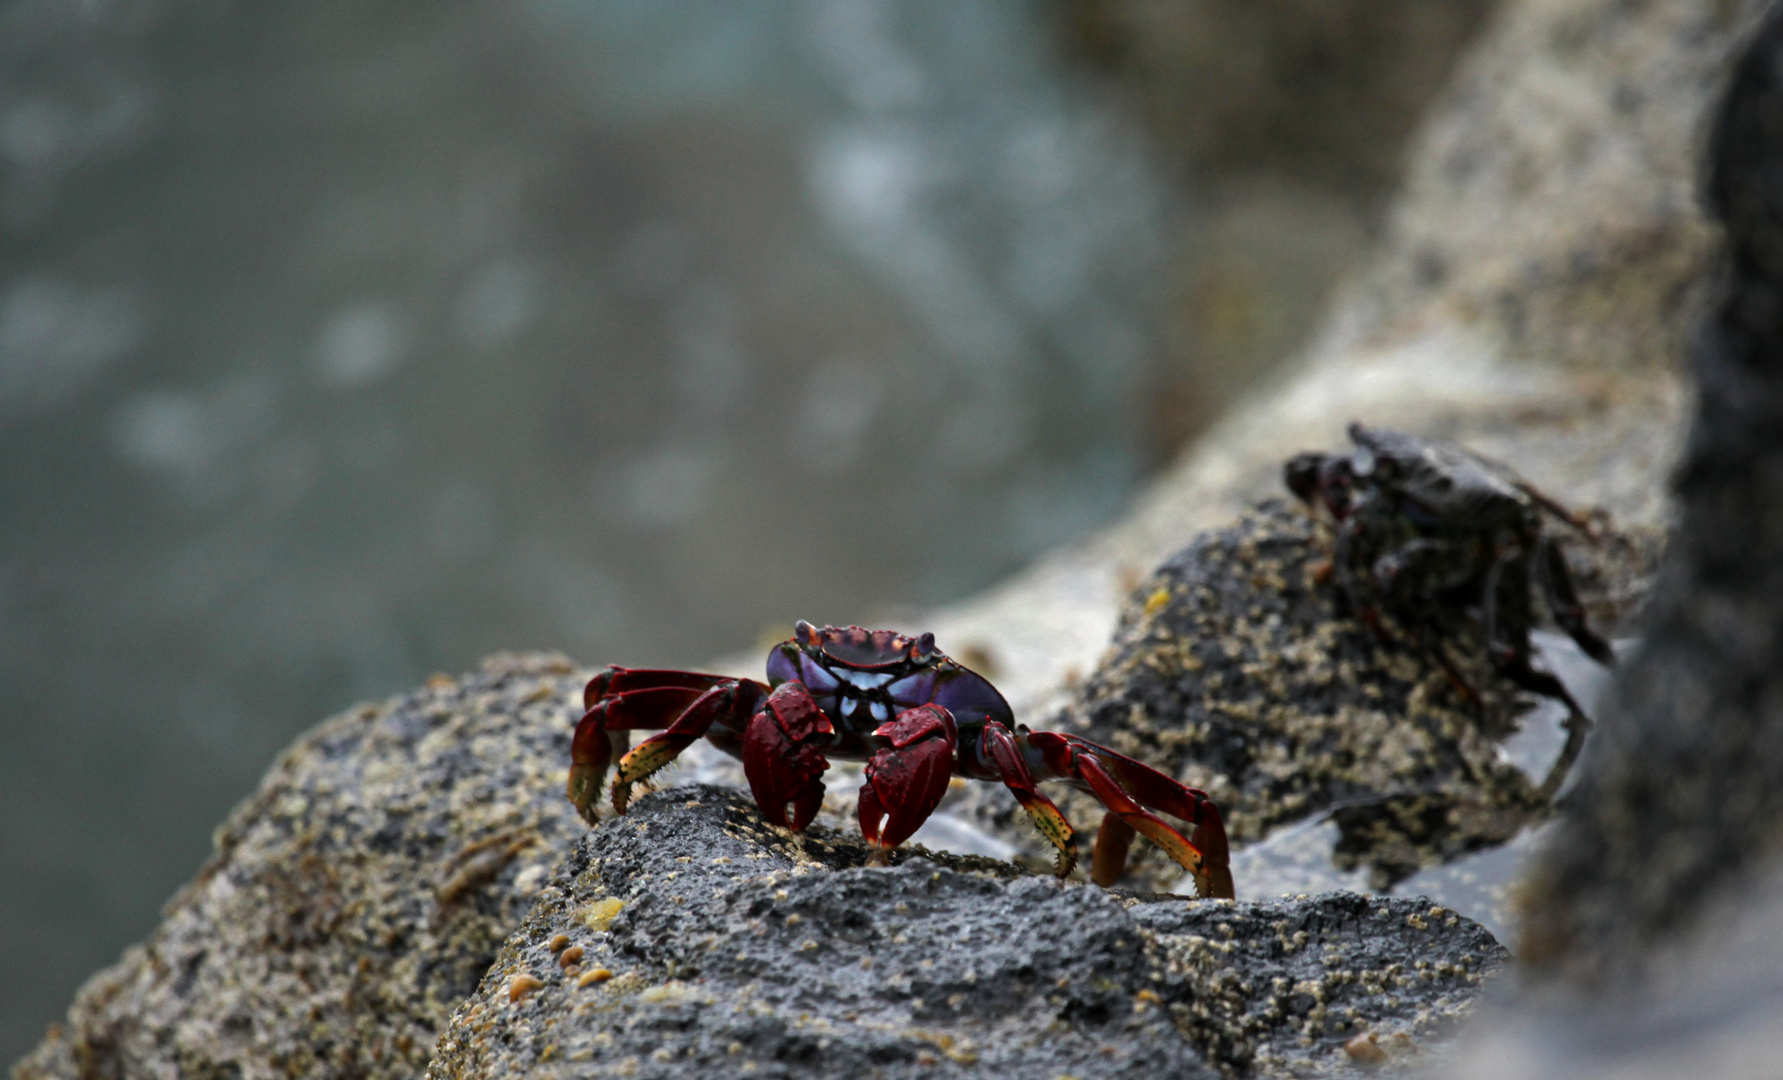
(738,947)
(1234,670)
(354,900)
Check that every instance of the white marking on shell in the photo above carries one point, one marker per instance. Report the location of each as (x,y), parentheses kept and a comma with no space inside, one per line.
(880,712)
(866,680)
(847,705)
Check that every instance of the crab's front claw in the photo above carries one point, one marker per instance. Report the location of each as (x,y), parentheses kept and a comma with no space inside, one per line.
(906,780)
(591,754)
(783,756)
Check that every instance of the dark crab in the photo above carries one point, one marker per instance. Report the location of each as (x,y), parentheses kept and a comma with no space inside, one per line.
(915,716)
(1421,523)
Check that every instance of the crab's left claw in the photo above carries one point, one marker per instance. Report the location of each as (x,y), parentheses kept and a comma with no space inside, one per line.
(906,780)
(782,757)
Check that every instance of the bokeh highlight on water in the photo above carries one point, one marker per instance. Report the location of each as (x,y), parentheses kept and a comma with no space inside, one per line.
(342,343)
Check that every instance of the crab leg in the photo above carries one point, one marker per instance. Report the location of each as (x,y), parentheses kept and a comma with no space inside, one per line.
(685,703)
(1551,505)
(1096,768)
(906,780)
(1563,599)
(1000,747)
(1357,587)
(620,700)
(783,757)
(1507,627)
(732,699)
(1415,569)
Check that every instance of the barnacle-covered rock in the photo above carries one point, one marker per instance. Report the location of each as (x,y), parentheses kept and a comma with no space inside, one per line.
(1235,669)
(353,900)
(690,938)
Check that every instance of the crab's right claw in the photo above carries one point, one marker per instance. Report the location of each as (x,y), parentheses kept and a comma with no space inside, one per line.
(906,780)
(783,759)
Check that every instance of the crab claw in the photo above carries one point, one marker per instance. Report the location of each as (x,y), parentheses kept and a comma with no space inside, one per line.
(591,754)
(906,780)
(782,756)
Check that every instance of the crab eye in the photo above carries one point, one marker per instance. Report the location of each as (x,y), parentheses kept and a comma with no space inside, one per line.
(782,667)
(803,632)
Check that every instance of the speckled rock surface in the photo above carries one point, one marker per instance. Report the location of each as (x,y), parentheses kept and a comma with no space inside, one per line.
(353,900)
(735,950)
(1233,670)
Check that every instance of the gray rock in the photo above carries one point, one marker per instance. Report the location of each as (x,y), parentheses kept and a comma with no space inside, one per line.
(1682,800)
(1233,669)
(1529,298)
(1655,936)
(709,941)
(354,900)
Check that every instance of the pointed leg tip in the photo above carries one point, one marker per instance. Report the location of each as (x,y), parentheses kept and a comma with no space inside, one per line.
(583,792)
(879,856)
(1214,884)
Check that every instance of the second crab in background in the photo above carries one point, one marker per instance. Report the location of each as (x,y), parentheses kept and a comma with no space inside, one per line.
(1421,523)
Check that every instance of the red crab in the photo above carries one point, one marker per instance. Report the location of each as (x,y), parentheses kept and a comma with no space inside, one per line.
(915,716)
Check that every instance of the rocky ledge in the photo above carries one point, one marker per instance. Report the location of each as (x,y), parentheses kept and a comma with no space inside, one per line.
(352,923)
(352,901)
(689,937)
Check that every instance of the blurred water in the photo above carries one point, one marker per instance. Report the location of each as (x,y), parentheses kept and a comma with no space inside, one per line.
(344,342)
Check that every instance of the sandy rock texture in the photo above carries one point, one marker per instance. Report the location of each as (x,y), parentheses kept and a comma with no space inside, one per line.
(688,938)
(354,900)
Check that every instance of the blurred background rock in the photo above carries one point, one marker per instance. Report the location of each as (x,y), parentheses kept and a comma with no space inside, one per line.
(342,343)
(1286,121)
